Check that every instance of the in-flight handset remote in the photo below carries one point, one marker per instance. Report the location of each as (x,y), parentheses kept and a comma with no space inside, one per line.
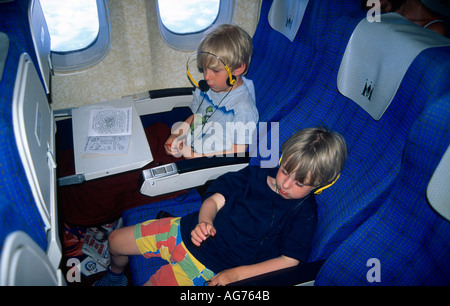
(160,171)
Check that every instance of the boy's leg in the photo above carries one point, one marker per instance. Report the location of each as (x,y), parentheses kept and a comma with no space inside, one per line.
(122,243)
(156,238)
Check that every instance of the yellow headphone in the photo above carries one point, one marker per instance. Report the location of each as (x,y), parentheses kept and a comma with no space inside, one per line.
(319,190)
(202,85)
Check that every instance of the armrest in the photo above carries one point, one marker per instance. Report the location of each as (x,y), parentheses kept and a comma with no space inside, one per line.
(162,100)
(187,174)
(297,275)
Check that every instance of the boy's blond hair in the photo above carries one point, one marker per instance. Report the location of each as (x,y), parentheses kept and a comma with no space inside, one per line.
(315,155)
(232,44)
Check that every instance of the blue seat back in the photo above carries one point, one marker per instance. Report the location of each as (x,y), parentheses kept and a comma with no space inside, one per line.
(18,211)
(405,242)
(375,149)
(283,71)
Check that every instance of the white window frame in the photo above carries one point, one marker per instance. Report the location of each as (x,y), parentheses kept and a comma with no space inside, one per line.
(92,54)
(190,41)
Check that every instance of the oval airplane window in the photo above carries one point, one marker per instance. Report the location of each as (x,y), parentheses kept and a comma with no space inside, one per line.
(79,31)
(182,22)
(73,25)
(188,16)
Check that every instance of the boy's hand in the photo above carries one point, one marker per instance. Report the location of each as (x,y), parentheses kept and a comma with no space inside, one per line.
(187,151)
(202,232)
(174,145)
(168,144)
(225,277)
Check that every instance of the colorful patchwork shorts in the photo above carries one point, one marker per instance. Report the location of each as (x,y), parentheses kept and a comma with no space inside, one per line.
(162,238)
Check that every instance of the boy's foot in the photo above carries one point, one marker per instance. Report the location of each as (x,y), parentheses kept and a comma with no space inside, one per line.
(112,279)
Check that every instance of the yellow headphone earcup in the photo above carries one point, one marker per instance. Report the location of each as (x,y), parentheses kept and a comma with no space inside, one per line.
(231,78)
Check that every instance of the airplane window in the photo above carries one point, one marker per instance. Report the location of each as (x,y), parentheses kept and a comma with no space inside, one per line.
(72,24)
(80,32)
(188,16)
(182,22)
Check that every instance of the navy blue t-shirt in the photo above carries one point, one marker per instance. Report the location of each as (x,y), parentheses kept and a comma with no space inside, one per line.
(254,225)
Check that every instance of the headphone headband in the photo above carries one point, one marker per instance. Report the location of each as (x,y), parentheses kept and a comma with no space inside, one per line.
(231,78)
(319,190)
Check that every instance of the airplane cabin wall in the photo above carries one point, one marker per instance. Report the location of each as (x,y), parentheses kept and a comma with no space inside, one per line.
(139,60)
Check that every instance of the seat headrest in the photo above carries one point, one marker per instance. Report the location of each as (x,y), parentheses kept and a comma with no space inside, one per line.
(438,191)
(377,57)
(285,16)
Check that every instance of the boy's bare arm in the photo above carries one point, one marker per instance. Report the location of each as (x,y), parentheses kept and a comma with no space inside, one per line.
(210,207)
(207,214)
(183,127)
(235,274)
(235,148)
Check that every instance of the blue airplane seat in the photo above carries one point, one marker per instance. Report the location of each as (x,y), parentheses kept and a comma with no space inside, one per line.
(375,146)
(325,80)
(18,210)
(277,61)
(406,242)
